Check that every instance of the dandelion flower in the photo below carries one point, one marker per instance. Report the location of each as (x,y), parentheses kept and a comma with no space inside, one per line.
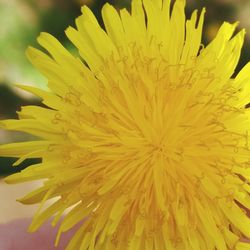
(144,140)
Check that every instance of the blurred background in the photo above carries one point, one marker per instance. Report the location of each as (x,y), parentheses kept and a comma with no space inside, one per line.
(21,21)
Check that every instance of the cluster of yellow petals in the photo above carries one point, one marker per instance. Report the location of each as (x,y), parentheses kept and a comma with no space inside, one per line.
(145,140)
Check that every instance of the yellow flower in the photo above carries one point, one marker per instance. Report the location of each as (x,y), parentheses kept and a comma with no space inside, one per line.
(145,141)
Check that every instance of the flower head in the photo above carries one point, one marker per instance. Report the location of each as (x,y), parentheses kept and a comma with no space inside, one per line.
(144,141)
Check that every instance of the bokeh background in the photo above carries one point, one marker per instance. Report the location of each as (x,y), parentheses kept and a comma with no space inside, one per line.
(21,21)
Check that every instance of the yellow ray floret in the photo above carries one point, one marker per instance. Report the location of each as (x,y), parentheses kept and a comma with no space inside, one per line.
(145,138)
